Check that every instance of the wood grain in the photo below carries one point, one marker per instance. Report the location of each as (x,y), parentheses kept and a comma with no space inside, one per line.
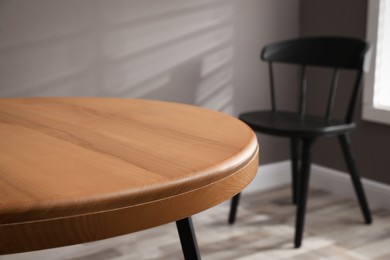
(74,170)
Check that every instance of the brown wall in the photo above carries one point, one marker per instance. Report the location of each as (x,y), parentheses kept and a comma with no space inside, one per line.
(371,141)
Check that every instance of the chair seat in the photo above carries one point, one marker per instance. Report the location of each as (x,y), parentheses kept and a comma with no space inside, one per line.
(289,124)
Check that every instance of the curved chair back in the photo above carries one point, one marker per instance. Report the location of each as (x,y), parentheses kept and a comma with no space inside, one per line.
(335,52)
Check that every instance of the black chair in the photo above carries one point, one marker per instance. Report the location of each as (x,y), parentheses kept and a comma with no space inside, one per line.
(326,52)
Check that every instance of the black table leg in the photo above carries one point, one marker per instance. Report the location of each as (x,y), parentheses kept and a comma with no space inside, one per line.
(233,208)
(188,239)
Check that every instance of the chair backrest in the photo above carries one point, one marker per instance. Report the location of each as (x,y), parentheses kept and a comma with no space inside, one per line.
(335,52)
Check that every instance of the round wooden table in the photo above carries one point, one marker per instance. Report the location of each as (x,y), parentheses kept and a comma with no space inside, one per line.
(74,170)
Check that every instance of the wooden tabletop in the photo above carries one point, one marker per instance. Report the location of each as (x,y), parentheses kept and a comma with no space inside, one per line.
(74,170)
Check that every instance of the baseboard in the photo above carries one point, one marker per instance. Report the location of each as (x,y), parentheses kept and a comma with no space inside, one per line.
(279,174)
(338,182)
(271,176)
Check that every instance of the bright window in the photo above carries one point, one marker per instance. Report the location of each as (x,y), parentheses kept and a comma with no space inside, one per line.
(376,105)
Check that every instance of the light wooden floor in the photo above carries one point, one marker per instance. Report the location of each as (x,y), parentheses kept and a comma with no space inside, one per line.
(264,230)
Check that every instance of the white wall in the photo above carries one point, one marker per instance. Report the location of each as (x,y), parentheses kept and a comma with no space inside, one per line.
(202,52)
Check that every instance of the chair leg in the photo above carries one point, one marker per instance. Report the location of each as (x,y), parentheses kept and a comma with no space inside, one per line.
(350,160)
(188,239)
(233,208)
(304,186)
(294,169)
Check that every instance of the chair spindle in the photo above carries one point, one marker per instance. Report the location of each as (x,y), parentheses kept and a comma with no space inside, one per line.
(353,99)
(302,107)
(272,86)
(332,93)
